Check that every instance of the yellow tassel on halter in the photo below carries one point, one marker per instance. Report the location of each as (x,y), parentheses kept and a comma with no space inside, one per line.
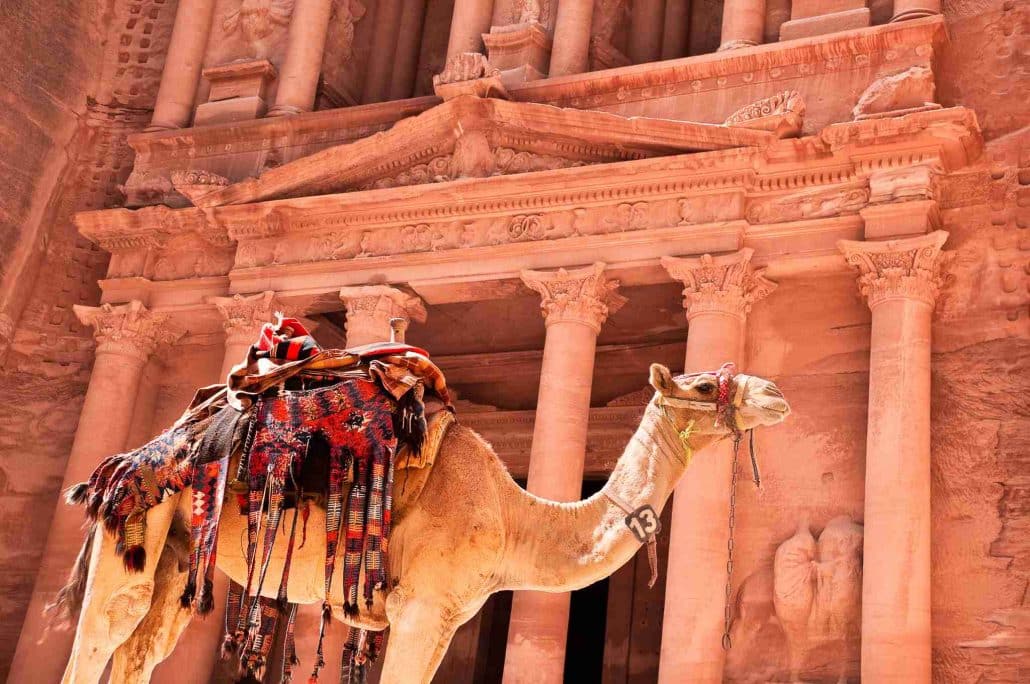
(688,452)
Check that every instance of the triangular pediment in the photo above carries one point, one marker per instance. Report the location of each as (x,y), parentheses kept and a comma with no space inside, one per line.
(470,137)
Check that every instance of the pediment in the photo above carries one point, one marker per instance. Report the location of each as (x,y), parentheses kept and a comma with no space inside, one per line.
(471,137)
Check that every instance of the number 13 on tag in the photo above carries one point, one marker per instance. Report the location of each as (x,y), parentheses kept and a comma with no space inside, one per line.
(643,523)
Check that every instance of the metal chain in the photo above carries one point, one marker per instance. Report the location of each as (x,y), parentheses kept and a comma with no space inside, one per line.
(727,614)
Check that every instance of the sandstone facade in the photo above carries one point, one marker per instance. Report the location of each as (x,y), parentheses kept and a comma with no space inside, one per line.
(834,195)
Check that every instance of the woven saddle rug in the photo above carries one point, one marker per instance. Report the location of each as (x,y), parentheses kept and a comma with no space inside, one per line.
(358,405)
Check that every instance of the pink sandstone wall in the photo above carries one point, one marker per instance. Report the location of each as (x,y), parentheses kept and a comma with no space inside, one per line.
(77,77)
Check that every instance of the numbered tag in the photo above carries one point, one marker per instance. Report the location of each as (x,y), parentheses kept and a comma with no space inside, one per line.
(643,523)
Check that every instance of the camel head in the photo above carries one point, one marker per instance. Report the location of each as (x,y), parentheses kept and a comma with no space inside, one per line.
(706,398)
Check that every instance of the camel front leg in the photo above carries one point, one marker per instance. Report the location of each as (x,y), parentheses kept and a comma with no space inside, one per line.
(115,600)
(157,634)
(421,630)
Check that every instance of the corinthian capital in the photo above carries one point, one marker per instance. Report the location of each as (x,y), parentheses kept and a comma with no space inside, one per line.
(907,269)
(243,315)
(723,284)
(382,302)
(583,295)
(127,329)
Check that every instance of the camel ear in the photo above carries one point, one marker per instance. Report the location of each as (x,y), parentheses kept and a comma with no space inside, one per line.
(661,379)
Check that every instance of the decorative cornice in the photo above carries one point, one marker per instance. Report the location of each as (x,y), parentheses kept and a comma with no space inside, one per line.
(723,284)
(243,315)
(898,269)
(582,295)
(129,330)
(381,303)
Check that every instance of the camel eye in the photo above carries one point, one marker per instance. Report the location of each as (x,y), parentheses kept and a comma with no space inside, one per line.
(706,388)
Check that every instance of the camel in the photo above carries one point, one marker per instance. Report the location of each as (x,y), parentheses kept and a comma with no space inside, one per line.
(463,530)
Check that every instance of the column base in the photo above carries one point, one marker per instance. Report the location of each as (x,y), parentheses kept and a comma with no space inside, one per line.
(736,45)
(912,14)
(228,111)
(825,23)
(285,110)
(157,127)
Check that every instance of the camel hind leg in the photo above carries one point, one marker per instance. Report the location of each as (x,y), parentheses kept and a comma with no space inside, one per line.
(115,600)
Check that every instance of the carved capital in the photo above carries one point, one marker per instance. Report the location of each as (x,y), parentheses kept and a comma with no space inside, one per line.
(243,315)
(723,284)
(381,303)
(583,295)
(898,269)
(127,329)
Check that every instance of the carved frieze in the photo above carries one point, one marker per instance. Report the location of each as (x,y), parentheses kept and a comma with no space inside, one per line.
(808,204)
(909,269)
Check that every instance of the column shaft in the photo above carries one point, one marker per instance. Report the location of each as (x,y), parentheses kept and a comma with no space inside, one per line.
(104,425)
(645,38)
(718,294)
(181,74)
(694,598)
(901,280)
(471,19)
(896,565)
(384,44)
(743,23)
(298,79)
(570,51)
(409,42)
(676,34)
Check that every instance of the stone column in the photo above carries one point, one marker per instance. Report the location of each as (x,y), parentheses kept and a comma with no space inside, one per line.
(718,294)
(471,19)
(676,31)
(298,79)
(645,37)
(575,304)
(381,55)
(743,23)
(900,280)
(370,308)
(409,42)
(126,336)
(181,74)
(570,51)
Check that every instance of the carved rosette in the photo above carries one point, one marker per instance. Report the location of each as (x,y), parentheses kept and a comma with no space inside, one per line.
(723,284)
(583,295)
(377,304)
(893,269)
(129,330)
(243,315)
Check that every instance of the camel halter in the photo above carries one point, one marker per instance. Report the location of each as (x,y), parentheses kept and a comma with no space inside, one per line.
(644,518)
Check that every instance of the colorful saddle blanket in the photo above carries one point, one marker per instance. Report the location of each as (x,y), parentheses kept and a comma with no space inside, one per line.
(357,405)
